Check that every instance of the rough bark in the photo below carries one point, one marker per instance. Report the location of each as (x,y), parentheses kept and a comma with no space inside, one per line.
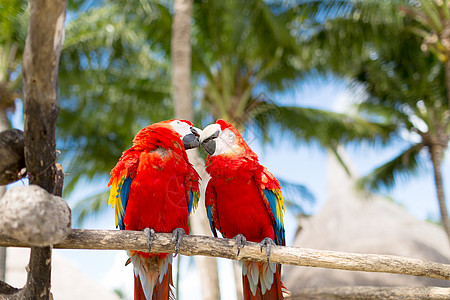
(437,153)
(4,125)
(184,109)
(32,215)
(4,122)
(40,72)
(226,248)
(7,289)
(2,263)
(369,292)
(12,159)
(7,96)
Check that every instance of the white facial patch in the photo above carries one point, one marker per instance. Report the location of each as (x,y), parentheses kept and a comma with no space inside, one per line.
(226,143)
(181,127)
(208,131)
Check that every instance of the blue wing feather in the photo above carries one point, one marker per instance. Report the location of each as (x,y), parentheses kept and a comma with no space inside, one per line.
(124,190)
(211,221)
(191,197)
(274,204)
(193,201)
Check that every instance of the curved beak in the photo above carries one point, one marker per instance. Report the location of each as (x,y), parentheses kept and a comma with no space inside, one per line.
(191,140)
(208,138)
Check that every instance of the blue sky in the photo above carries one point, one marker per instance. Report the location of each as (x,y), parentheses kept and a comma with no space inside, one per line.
(301,164)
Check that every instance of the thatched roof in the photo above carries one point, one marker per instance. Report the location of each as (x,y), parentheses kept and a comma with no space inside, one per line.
(352,222)
(68,283)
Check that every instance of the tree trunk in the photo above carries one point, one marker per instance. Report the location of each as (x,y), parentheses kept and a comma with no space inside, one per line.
(4,125)
(437,154)
(181,59)
(181,82)
(237,272)
(40,72)
(207,266)
(2,249)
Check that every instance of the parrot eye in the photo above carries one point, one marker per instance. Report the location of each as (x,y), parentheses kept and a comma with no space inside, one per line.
(229,137)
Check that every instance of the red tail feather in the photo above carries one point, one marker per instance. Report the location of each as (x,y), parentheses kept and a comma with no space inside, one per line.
(275,292)
(138,292)
(161,291)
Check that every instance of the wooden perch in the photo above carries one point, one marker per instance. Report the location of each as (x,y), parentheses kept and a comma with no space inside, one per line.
(215,247)
(372,292)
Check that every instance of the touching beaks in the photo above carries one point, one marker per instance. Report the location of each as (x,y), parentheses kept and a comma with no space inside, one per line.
(196,131)
(191,140)
(208,136)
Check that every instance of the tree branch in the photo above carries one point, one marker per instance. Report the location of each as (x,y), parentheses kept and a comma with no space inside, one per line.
(371,292)
(215,247)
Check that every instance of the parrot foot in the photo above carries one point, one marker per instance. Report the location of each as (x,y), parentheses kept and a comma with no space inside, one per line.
(268,242)
(150,233)
(241,241)
(178,234)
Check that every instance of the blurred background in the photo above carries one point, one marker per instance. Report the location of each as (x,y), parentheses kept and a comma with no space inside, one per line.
(345,102)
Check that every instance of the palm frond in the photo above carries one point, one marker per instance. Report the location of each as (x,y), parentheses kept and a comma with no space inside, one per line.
(389,174)
(90,206)
(324,127)
(298,198)
(112,83)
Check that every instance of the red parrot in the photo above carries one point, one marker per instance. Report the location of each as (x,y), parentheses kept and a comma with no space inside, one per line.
(243,200)
(154,188)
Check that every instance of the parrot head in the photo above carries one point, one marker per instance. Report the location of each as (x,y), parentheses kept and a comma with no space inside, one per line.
(222,138)
(169,130)
(188,133)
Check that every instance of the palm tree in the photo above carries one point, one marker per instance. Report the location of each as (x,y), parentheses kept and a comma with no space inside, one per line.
(13,22)
(397,82)
(111,84)
(433,18)
(245,52)
(184,109)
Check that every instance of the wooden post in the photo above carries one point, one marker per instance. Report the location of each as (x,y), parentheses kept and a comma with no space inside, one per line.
(40,72)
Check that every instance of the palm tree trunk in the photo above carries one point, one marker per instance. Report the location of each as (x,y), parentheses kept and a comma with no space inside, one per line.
(181,59)
(177,280)
(181,81)
(437,152)
(237,272)
(207,266)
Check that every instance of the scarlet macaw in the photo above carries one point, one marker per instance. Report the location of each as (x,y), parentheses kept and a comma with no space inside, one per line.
(155,188)
(243,200)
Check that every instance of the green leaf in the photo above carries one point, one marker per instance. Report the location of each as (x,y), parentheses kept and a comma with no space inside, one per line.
(324,127)
(430,9)
(298,198)
(401,167)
